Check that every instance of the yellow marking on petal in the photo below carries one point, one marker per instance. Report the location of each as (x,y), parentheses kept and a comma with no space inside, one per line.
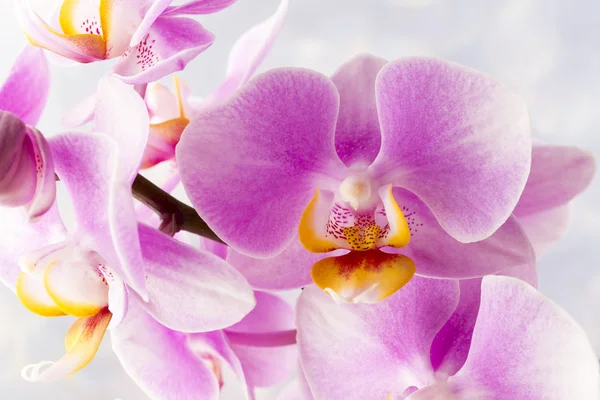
(162,141)
(84,337)
(81,342)
(66,18)
(68,306)
(31,292)
(179,95)
(362,239)
(363,276)
(399,234)
(308,235)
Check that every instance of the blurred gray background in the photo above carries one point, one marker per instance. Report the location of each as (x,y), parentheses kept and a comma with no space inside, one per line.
(548,50)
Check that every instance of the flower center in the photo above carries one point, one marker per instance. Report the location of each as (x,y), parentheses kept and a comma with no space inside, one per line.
(63,279)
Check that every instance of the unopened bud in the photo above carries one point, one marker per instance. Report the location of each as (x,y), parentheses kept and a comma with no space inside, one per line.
(26,168)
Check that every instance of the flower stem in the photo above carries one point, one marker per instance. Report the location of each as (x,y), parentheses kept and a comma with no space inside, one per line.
(175,215)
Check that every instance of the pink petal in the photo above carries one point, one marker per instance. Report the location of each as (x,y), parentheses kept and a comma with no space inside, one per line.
(155,10)
(545,228)
(200,7)
(437,254)
(368,351)
(159,359)
(18,237)
(81,48)
(103,206)
(525,347)
(45,189)
(247,54)
(449,134)
(266,366)
(25,91)
(451,345)
(288,270)
(17,162)
(278,134)
(190,290)
(121,113)
(168,46)
(358,136)
(297,389)
(558,174)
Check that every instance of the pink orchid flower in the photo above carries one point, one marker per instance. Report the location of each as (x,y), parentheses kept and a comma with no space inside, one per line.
(419,156)
(523,346)
(108,262)
(151,37)
(26,168)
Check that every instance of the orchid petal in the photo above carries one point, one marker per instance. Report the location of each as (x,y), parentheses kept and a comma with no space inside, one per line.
(558,174)
(247,53)
(45,189)
(25,91)
(206,345)
(448,135)
(17,162)
(278,134)
(290,269)
(162,141)
(103,206)
(76,288)
(521,328)
(437,254)
(121,19)
(83,48)
(121,113)
(18,237)
(33,295)
(266,366)
(169,370)
(357,134)
(544,228)
(81,342)
(451,346)
(199,7)
(161,102)
(345,349)
(156,9)
(179,278)
(168,46)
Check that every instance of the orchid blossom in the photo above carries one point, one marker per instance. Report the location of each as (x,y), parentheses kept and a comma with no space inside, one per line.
(152,38)
(107,262)
(523,346)
(26,167)
(396,156)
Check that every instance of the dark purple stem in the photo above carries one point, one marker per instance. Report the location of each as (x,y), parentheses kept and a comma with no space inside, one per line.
(175,215)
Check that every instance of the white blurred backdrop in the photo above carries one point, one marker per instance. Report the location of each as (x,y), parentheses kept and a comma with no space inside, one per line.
(548,50)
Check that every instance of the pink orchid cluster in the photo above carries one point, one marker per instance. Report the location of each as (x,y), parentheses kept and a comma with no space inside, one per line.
(409,192)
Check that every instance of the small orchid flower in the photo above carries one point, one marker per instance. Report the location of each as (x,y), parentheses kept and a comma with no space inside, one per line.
(523,346)
(26,168)
(150,37)
(96,269)
(419,156)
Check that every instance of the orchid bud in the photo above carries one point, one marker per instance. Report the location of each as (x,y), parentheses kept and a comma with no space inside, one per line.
(26,168)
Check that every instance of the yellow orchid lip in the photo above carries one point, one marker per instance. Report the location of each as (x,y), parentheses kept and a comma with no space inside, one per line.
(363,276)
